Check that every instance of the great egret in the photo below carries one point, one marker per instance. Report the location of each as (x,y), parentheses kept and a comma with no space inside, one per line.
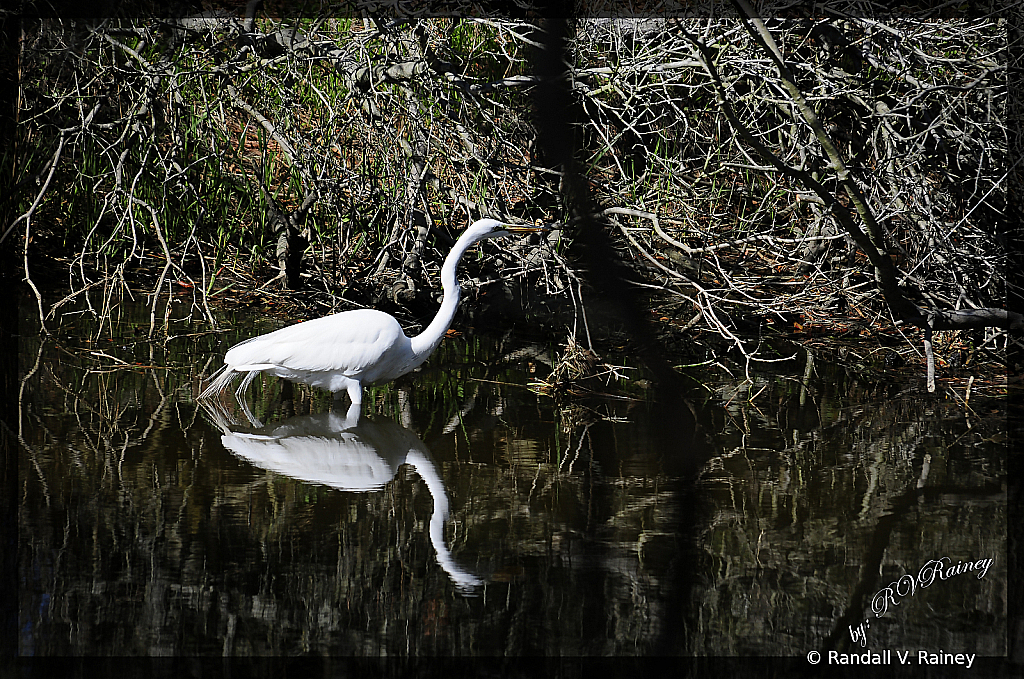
(354,348)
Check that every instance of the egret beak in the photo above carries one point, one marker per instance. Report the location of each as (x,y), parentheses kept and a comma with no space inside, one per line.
(525,228)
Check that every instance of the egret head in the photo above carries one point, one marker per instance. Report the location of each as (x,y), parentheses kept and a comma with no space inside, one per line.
(492,228)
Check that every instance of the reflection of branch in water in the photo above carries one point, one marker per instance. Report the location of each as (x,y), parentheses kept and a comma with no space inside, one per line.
(583,434)
(21,419)
(899,511)
(21,390)
(467,407)
(350,454)
(114,408)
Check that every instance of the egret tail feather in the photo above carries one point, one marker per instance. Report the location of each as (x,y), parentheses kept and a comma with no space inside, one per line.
(219,381)
(246,381)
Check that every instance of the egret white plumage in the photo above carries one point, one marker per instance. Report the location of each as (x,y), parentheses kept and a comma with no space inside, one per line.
(353,349)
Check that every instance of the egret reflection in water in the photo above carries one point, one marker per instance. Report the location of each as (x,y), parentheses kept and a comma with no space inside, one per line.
(349,453)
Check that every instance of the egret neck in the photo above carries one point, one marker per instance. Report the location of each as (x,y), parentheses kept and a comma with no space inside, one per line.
(425,342)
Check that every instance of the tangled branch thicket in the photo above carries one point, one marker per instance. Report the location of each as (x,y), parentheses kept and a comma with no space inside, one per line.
(826,167)
(204,143)
(732,195)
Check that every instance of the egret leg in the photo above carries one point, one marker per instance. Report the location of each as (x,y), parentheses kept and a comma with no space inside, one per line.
(339,422)
(352,416)
(355,392)
(354,389)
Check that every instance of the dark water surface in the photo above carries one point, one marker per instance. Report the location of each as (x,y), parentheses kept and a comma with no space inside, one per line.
(468,514)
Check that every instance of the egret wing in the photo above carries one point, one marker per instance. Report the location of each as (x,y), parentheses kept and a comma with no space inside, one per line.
(350,343)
